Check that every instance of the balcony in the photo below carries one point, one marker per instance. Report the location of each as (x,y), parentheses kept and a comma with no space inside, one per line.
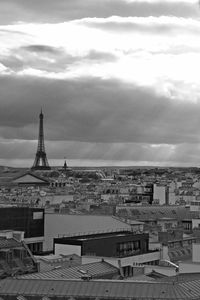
(142,258)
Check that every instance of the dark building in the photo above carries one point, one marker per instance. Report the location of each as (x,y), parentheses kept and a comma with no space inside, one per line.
(143,196)
(26,219)
(115,244)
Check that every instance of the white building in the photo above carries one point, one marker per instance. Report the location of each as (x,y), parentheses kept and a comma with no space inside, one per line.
(160,194)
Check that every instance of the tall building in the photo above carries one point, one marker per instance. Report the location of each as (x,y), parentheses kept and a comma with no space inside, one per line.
(41,162)
(25,219)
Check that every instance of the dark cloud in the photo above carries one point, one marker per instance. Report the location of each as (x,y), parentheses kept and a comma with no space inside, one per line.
(42,49)
(96,119)
(94,110)
(12,62)
(42,57)
(161,26)
(17,149)
(98,56)
(100,153)
(52,11)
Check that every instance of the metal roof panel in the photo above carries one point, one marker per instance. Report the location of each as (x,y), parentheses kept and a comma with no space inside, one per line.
(101,288)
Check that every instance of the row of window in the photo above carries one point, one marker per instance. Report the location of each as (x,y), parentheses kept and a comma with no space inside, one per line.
(35,247)
(128,248)
(181,243)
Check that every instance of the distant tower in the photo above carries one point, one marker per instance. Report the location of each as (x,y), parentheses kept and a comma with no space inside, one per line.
(41,162)
(65,166)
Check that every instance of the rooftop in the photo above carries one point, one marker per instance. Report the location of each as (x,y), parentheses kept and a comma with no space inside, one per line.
(95,270)
(97,235)
(143,213)
(101,288)
(8,243)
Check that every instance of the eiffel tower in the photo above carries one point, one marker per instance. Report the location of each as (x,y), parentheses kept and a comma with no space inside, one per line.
(41,162)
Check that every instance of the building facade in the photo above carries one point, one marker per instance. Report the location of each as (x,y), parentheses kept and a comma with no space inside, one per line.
(26,219)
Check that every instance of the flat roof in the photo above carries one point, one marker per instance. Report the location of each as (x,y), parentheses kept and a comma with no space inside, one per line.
(100,235)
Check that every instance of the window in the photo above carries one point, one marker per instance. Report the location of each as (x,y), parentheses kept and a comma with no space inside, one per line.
(128,248)
(20,297)
(38,215)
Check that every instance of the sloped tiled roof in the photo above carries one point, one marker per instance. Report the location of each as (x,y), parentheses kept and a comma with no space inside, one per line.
(8,243)
(96,269)
(29,177)
(156,212)
(182,277)
(101,288)
(48,263)
(179,253)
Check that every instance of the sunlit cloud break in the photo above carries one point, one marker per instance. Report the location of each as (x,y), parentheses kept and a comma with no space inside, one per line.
(119,81)
(146,54)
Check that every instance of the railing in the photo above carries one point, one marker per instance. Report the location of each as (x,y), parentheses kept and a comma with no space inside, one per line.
(137,253)
(76,234)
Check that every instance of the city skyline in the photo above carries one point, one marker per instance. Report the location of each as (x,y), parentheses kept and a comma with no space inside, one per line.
(118,81)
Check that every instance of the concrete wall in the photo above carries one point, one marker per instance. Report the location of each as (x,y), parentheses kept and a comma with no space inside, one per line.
(168,271)
(164,253)
(195,223)
(189,267)
(141,259)
(67,249)
(172,198)
(125,261)
(196,252)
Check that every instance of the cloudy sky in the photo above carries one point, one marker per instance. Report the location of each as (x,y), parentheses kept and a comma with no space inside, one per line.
(118,81)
